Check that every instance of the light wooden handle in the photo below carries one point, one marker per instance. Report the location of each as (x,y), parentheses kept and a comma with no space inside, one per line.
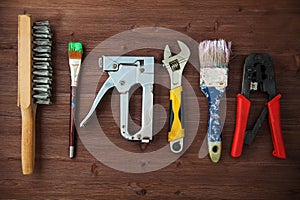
(25,101)
(28,139)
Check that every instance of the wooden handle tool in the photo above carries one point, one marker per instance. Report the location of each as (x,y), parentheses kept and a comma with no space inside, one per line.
(34,80)
(25,100)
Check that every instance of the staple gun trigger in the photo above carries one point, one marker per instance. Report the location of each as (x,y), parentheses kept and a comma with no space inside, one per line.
(106,86)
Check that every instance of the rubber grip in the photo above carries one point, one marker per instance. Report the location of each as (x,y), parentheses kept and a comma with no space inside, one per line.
(176,130)
(275,126)
(242,114)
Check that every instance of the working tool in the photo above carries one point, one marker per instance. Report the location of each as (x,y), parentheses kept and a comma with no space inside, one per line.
(258,76)
(34,80)
(124,72)
(175,65)
(214,58)
(75,53)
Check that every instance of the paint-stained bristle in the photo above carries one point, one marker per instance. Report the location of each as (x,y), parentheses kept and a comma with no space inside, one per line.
(214,53)
(75,50)
(42,67)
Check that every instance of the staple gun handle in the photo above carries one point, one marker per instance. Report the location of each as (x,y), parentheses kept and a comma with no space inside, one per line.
(147,112)
(242,114)
(176,130)
(124,111)
(145,133)
(275,124)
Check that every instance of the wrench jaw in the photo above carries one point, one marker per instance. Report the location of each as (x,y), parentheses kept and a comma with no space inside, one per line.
(185,51)
(183,55)
(167,53)
(175,64)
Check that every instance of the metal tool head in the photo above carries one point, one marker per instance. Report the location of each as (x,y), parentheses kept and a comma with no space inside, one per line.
(42,67)
(125,72)
(259,75)
(176,63)
(182,57)
(184,51)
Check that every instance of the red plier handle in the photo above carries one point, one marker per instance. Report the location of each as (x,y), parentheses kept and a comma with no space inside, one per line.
(275,125)
(242,114)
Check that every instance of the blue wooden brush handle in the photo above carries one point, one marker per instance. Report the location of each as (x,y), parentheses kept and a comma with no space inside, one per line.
(214,122)
(214,135)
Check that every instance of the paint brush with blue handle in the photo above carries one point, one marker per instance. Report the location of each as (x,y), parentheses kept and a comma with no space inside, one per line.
(214,58)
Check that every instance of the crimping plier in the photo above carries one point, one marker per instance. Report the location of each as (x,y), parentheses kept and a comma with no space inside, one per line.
(258,75)
(175,65)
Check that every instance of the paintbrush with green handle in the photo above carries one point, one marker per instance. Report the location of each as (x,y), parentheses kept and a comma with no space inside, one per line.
(214,58)
(75,54)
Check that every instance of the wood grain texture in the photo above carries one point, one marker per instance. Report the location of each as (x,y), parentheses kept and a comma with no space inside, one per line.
(253,26)
(25,101)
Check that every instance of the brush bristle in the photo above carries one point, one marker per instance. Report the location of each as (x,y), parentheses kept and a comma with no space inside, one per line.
(75,49)
(42,67)
(214,53)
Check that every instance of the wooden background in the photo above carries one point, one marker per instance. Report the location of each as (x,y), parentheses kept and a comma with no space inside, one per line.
(253,26)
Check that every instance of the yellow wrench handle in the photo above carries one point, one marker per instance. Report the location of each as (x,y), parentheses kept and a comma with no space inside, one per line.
(176,130)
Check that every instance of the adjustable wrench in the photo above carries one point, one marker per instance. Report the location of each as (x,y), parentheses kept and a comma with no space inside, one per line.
(175,65)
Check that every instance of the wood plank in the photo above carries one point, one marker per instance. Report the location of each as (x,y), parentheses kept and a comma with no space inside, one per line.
(253,26)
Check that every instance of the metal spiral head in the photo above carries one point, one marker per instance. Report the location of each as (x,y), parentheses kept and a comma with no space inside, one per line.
(42,67)
(174,65)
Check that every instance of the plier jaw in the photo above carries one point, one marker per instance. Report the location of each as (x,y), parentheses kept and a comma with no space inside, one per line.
(258,75)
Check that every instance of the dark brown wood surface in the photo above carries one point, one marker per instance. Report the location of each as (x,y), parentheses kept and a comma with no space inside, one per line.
(253,26)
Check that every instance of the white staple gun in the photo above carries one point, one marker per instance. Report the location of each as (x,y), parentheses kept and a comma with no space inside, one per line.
(124,72)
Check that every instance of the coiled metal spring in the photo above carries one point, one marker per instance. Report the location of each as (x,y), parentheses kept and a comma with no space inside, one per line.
(174,65)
